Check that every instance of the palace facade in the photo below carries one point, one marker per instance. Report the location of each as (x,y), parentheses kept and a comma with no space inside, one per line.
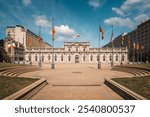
(76,52)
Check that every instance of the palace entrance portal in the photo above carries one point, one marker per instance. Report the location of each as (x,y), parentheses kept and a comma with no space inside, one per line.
(77,59)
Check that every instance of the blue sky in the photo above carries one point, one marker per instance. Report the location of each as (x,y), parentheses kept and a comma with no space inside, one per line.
(73,17)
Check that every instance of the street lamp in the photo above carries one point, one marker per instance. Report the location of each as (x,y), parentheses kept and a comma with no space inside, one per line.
(53,33)
(39,39)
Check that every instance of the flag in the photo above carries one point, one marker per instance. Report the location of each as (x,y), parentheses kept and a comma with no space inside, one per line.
(53,32)
(129,43)
(122,39)
(102,32)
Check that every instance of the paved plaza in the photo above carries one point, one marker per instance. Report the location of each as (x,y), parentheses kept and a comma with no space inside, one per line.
(76,82)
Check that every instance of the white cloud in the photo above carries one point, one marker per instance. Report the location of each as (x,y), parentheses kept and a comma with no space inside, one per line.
(26,2)
(42,21)
(118,11)
(119,22)
(64,33)
(140,18)
(129,5)
(96,3)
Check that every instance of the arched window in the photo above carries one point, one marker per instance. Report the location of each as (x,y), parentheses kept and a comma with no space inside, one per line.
(55,57)
(84,57)
(29,57)
(104,57)
(76,49)
(62,57)
(110,57)
(123,57)
(69,58)
(36,57)
(97,57)
(49,57)
(69,49)
(91,57)
(84,49)
(116,57)
(42,57)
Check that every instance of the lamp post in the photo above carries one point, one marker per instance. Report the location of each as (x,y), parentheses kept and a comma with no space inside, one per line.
(133,53)
(102,33)
(23,51)
(30,56)
(111,40)
(112,61)
(99,62)
(53,64)
(121,56)
(18,52)
(53,33)
(39,47)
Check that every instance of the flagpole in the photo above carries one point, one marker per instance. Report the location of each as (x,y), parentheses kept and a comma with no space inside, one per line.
(23,51)
(121,47)
(99,62)
(18,52)
(112,61)
(40,47)
(141,52)
(30,54)
(133,52)
(52,64)
(137,54)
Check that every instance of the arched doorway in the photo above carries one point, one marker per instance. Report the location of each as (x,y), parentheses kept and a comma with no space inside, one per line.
(77,59)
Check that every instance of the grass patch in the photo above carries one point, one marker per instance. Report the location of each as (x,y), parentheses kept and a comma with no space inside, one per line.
(143,65)
(10,85)
(140,85)
(4,65)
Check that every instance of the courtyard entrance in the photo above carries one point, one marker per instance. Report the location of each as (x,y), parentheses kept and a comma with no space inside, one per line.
(77,59)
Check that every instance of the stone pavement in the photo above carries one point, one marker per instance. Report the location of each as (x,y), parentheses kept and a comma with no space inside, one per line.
(76,82)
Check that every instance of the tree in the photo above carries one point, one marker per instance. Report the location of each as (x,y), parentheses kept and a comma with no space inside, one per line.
(3,54)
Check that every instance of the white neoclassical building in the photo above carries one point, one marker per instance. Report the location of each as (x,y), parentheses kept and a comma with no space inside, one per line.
(76,52)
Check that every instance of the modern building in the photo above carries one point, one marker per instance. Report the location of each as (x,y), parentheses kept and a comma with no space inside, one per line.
(18,38)
(138,41)
(14,50)
(76,52)
(23,35)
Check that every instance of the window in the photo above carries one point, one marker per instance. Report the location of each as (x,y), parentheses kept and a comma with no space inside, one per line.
(30,57)
(69,49)
(84,58)
(55,57)
(76,49)
(110,57)
(116,57)
(49,57)
(123,57)
(36,57)
(42,57)
(61,57)
(91,58)
(97,57)
(84,49)
(69,58)
(104,57)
